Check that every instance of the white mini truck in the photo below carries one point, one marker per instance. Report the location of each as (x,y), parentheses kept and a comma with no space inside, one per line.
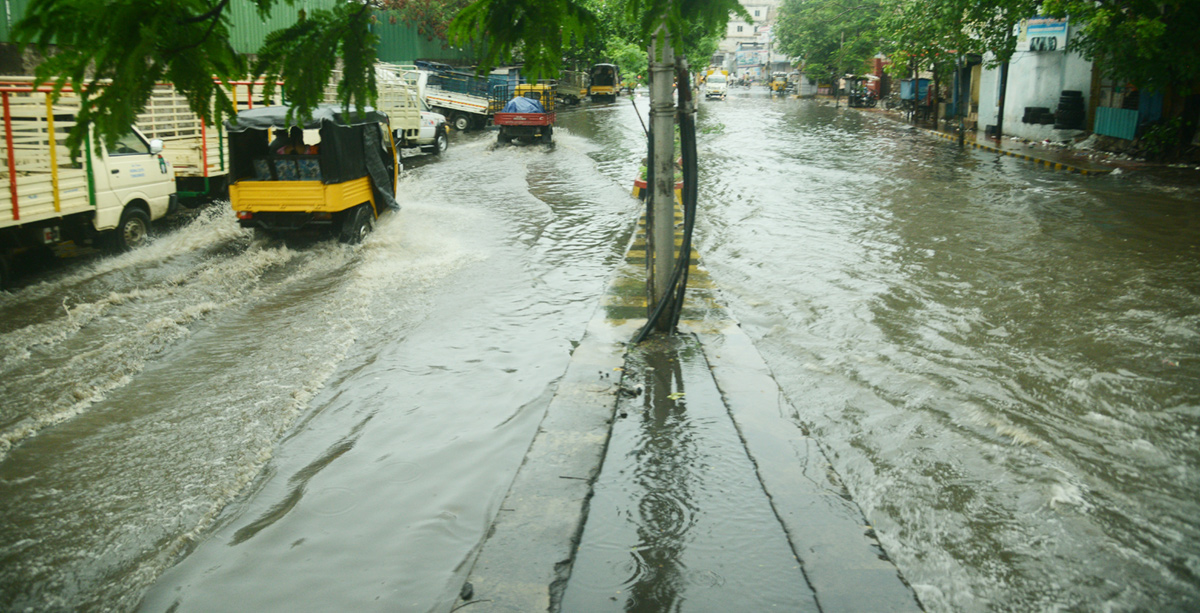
(107,195)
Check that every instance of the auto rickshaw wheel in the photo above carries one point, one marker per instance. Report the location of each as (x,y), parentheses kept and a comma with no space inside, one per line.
(358,223)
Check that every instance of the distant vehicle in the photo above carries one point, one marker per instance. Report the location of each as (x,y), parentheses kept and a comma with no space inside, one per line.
(779,83)
(793,82)
(716,83)
(402,100)
(572,86)
(529,115)
(467,100)
(605,83)
(342,187)
(858,93)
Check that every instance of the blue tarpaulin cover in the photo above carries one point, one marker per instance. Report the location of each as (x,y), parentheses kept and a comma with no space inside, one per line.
(523,105)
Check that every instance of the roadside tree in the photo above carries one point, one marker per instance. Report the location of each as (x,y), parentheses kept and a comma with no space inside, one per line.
(1148,44)
(832,37)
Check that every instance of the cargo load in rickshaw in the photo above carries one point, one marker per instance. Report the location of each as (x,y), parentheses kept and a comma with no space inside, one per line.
(334,172)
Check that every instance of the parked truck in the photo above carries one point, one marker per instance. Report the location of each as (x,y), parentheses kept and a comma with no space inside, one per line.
(468,100)
(573,86)
(107,196)
(414,124)
(199,152)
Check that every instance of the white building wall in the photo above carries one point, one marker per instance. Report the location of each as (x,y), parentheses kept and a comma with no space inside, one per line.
(1035,78)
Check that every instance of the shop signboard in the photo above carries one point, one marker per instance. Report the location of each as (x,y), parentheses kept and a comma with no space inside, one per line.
(1042,34)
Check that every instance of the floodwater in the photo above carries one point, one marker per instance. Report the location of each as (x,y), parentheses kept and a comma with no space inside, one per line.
(289,415)
(1001,361)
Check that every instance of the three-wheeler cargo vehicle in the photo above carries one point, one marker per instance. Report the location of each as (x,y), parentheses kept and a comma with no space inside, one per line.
(335,172)
(605,83)
(530,115)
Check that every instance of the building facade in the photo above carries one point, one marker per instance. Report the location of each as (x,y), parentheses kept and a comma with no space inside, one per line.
(748,47)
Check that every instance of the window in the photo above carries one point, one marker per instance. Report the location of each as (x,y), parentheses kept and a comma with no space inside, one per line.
(739,28)
(130,144)
(756,12)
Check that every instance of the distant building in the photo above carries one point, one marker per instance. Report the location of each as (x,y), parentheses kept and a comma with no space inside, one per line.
(748,48)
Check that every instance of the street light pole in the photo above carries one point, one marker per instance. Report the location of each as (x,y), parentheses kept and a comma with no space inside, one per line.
(660,214)
(958,104)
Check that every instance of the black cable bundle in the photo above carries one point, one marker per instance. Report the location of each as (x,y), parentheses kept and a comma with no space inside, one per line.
(687,144)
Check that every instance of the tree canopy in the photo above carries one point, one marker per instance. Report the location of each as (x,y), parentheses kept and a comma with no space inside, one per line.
(1144,42)
(831,36)
(114,52)
(542,32)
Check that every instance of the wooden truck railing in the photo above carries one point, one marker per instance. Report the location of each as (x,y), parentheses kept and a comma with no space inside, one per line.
(195,148)
(41,179)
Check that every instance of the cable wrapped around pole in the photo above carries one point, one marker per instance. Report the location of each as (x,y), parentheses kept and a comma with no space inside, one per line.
(687,145)
(690,192)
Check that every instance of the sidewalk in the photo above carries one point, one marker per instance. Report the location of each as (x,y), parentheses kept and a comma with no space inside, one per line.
(1055,158)
(1049,156)
(527,560)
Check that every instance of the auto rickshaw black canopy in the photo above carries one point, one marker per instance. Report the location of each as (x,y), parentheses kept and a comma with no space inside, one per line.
(352,144)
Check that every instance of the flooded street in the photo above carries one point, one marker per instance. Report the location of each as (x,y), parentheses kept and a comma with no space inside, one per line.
(1001,361)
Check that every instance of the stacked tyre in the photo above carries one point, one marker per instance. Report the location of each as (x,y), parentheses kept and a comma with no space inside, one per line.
(1038,114)
(1070,112)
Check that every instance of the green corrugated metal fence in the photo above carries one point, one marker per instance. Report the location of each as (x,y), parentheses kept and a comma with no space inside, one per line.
(248,30)
(1121,123)
(398,42)
(14,10)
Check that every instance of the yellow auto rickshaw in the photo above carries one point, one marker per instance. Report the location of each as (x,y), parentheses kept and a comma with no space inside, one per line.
(779,83)
(339,180)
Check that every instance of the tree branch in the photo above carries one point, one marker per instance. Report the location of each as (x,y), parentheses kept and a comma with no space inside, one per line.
(211,14)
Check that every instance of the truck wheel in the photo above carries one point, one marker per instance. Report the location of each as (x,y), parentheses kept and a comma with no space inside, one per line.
(461,122)
(440,143)
(547,134)
(132,231)
(358,223)
(504,137)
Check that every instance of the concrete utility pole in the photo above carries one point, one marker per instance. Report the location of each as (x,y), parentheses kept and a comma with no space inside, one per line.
(959,103)
(660,214)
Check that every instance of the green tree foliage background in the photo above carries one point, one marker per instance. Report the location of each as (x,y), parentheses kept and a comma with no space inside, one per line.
(830,36)
(543,32)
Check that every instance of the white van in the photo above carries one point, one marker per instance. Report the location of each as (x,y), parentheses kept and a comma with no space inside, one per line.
(715,85)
